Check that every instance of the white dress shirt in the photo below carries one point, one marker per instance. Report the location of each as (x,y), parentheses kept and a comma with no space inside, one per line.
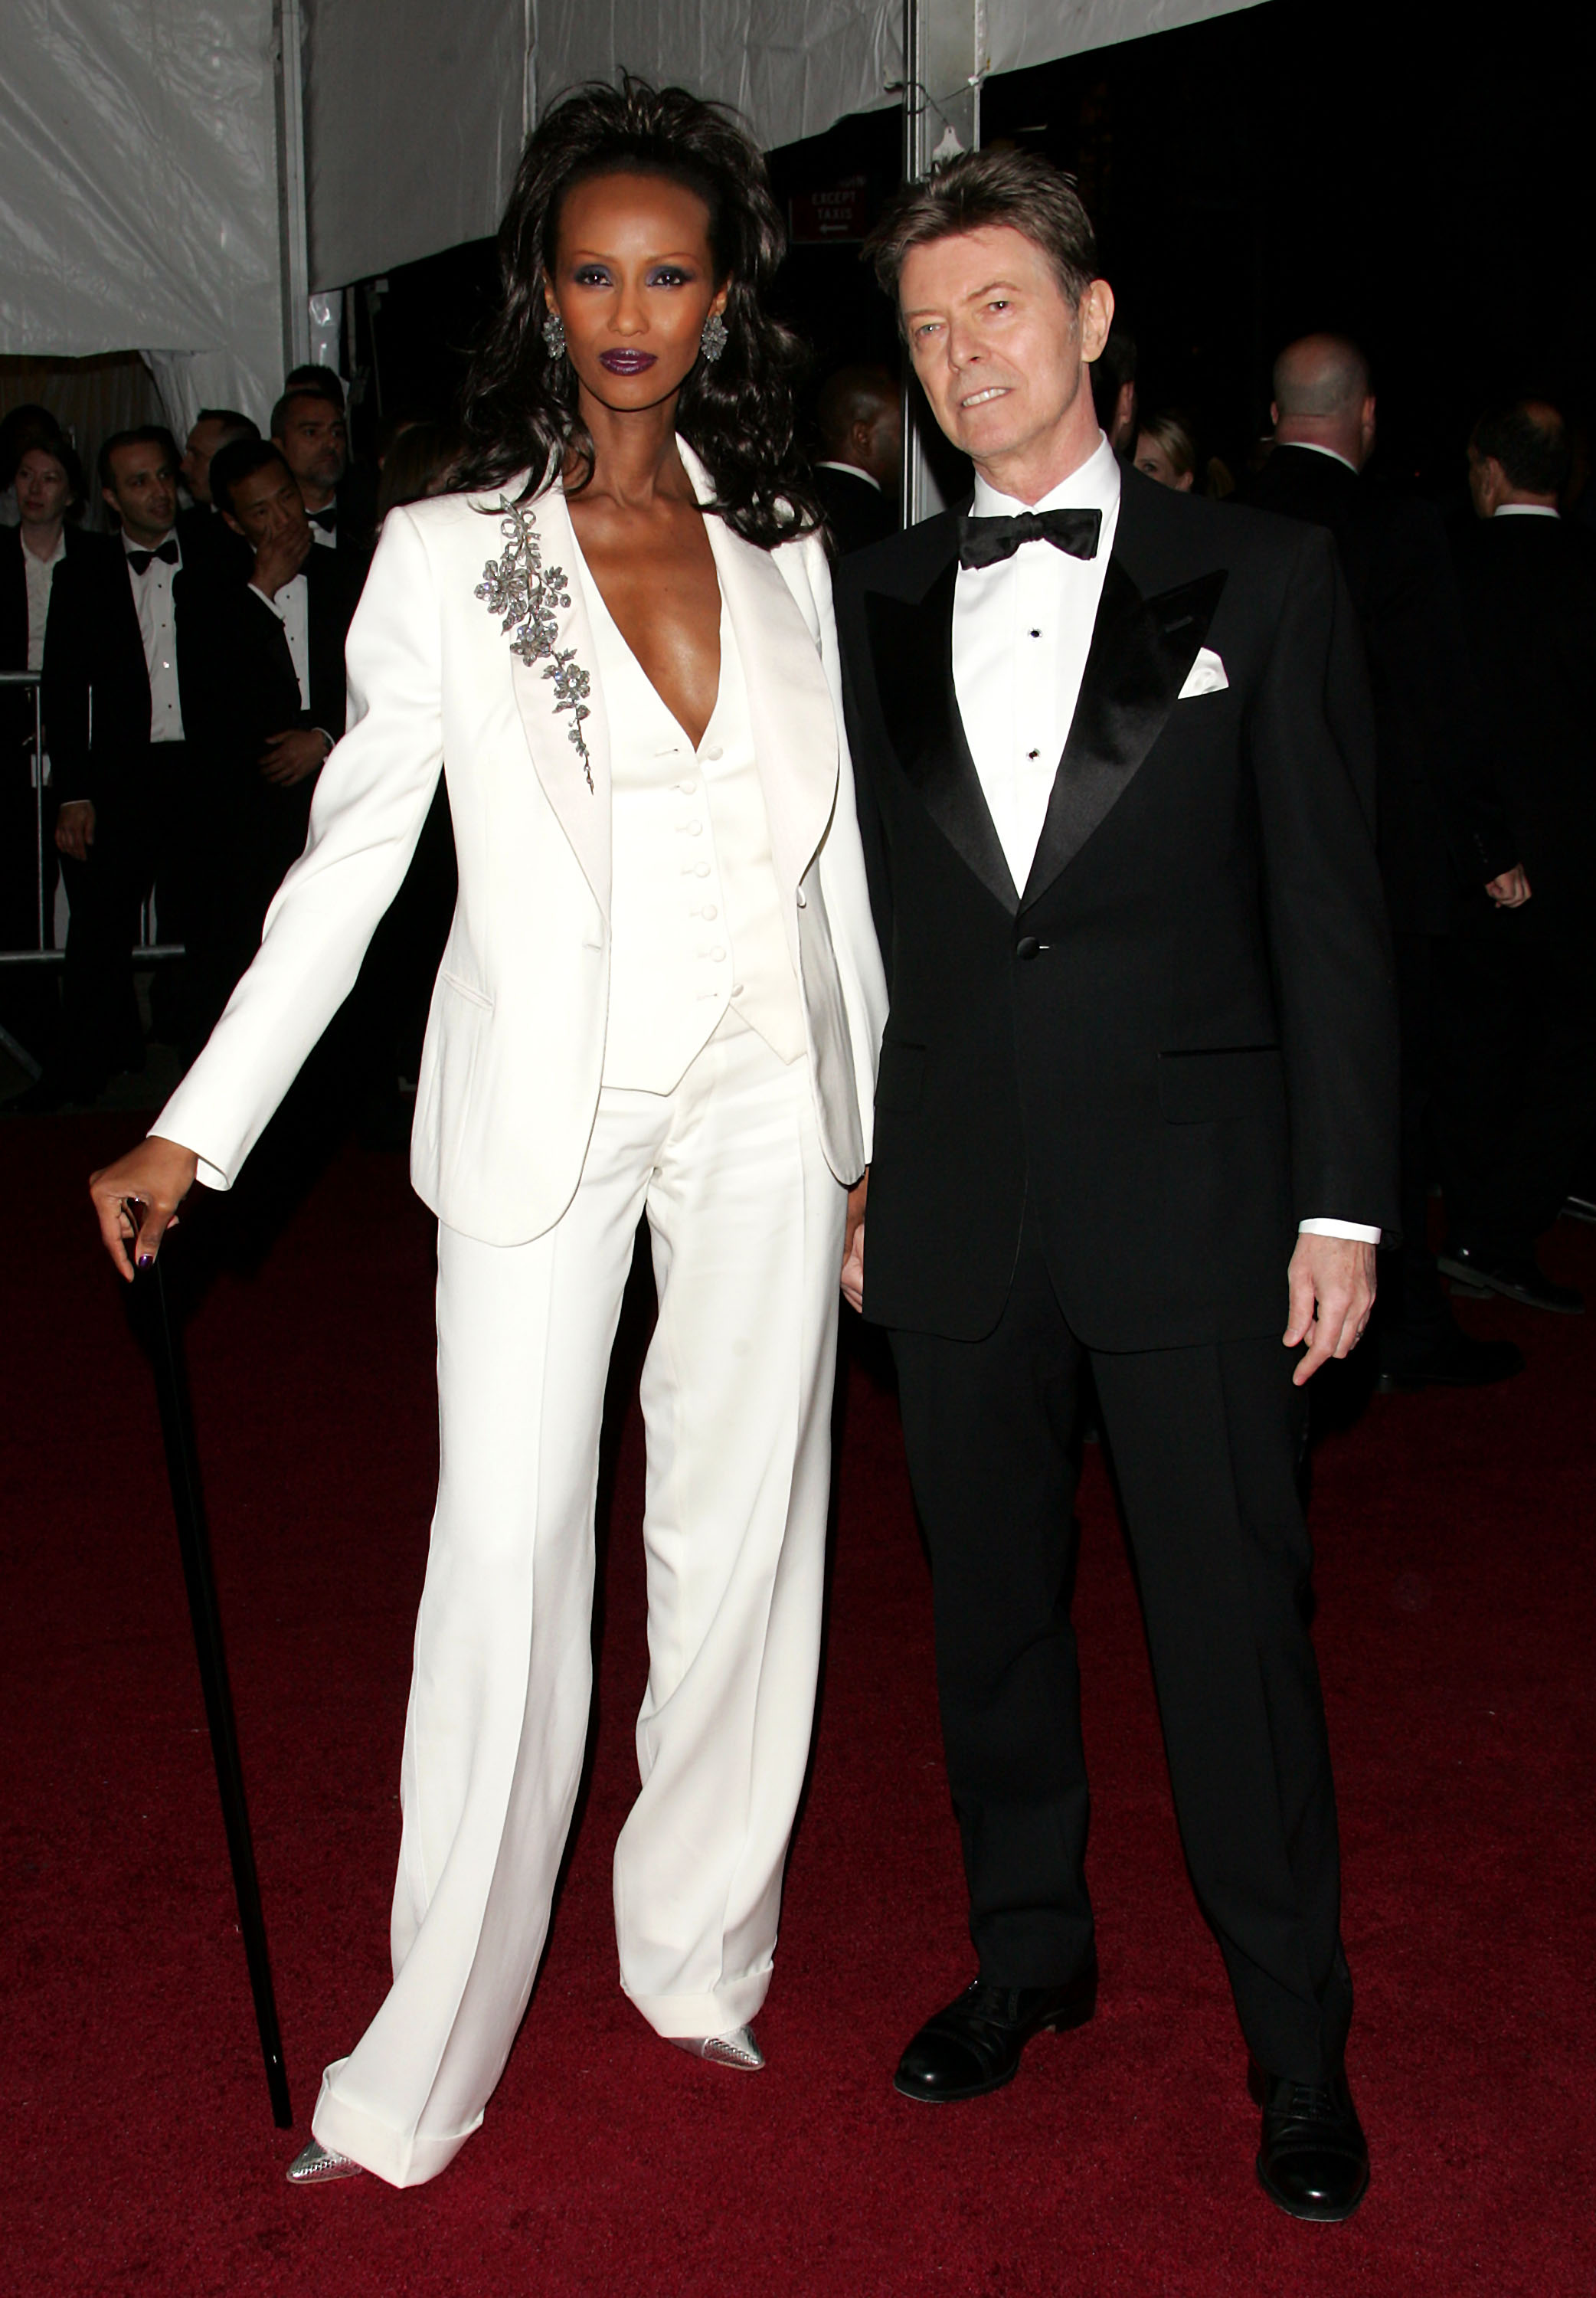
(828,463)
(157,626)
(1525,510)
(292,608)
(1022,631)
(41,575)
(1313,447)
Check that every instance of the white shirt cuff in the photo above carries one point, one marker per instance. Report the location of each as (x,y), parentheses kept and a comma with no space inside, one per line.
(267,599)
(1339,1228)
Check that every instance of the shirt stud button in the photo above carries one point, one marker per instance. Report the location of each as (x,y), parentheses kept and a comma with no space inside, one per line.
(1033,754)
(1036,634)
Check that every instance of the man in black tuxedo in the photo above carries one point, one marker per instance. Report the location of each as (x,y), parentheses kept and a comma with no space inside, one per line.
(267,689)
(310,432)
(1524,979)
(1137,1108)
(859,416)
(119,756)
(1442,827)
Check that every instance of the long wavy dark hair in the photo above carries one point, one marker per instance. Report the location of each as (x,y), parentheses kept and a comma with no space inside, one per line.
(519,411)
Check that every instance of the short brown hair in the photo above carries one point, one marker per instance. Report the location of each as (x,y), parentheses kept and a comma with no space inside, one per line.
(981,189)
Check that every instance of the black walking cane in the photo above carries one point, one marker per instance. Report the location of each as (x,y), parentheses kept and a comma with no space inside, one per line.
(176,1426)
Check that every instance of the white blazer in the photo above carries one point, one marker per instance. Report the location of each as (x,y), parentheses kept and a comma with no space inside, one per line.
(515,1040)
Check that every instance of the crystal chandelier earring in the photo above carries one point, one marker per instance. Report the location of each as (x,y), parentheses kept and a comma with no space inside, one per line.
(713,342)
(554,335)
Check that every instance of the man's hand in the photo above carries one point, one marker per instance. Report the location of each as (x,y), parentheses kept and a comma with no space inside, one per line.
(1512,890)
(1333,1276)
(280,557)
(75,828)
(136,1199)
(853,1245)
(287,758)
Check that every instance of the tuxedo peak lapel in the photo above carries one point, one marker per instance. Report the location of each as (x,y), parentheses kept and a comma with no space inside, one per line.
(1141,653)
(911,644)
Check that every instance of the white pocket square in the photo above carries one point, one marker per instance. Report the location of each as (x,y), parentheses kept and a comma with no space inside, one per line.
(1205,676)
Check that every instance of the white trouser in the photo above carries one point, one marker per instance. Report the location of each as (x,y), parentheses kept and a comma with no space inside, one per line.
(747,1229)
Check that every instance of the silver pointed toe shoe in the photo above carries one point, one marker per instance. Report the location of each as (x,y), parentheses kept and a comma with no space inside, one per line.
(737,2049)
(316,2165)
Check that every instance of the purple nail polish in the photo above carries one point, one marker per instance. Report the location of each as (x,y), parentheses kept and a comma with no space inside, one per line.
(146,1260)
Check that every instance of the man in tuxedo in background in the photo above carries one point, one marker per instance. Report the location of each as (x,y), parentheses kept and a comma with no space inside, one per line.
(1137,1108)
(1523,991)
(267,688)
(860,420)
(1442,827)
(122,770)
(213,428)
(310,432)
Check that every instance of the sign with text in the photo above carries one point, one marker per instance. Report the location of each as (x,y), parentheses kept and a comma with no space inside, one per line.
(836,213)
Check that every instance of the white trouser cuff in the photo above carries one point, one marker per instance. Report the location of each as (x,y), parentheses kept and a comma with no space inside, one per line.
(400,2157)
(732,2004)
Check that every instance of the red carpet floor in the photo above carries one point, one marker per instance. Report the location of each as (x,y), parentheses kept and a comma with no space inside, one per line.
(1455,1637)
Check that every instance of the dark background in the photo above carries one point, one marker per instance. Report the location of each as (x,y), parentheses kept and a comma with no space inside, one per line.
(1413,175)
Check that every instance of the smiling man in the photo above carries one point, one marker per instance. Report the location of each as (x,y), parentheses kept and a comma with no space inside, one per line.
(1136,1112)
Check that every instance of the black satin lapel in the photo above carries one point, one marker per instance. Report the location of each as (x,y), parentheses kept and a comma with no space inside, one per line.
(1141,656)
(912,644)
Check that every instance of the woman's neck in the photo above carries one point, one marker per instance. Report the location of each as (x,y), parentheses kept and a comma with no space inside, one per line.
(41,537)
(635,462)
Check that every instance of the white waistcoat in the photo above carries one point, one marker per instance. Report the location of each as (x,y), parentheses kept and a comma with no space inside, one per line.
(695,905)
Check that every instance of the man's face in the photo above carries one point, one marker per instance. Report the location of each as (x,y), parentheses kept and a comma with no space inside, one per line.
(268,506)
(203,441)
(999,347)
(143,491)
(43,490)
(315,441)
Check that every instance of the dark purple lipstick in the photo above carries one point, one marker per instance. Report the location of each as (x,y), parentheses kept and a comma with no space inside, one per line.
(627,362)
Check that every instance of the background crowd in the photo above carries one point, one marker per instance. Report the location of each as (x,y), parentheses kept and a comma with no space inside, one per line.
(192,671)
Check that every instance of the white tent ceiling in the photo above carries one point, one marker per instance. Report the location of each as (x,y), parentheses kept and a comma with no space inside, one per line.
(148,158)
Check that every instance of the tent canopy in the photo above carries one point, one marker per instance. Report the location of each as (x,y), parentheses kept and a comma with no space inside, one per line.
(151,161)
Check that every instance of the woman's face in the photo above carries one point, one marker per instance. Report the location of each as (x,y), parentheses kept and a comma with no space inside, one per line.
(633,282)
(43,490)
(1152,459)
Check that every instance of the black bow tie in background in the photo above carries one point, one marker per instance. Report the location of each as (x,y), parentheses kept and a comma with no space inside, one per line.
(326,520)
(166,552)
(983,542)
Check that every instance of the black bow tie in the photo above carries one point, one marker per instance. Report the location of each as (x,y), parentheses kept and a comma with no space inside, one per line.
(326,520)
(166,551)
(983,542)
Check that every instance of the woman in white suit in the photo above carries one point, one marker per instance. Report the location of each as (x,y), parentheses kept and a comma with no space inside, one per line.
(661,995)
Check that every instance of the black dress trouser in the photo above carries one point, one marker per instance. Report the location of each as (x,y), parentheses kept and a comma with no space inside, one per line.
(1204,1444)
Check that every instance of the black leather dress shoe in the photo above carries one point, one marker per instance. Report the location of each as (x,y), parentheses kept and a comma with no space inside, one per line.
(1313,2157)
(976,2044)
(1522,1280)
(1457,1361)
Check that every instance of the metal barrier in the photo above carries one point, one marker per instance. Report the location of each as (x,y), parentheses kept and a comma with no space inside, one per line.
(44,952)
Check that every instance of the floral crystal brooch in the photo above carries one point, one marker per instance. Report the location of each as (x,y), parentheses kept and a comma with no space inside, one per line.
(518,589)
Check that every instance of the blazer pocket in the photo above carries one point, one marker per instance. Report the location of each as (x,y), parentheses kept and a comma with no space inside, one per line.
(1225,1082)
(901,1077)
(466,989)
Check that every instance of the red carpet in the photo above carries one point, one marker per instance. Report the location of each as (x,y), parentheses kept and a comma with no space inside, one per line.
(1455,1633)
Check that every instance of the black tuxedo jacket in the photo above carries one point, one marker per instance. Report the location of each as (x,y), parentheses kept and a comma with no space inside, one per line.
(857,514)
(1179,1038)
(1529,588)
(96,680)
(16,705)
(239,689)
(1442,820)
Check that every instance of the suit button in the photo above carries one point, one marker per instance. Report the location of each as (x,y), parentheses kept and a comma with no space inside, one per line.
(1027,945)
